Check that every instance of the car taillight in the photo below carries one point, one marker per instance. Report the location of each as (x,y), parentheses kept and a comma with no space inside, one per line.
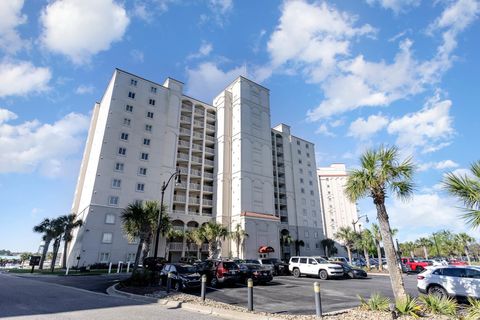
(220,272)
(420,277)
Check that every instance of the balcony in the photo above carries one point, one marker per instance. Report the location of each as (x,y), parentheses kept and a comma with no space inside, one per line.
(178,211)
(184,144)
(196,173)
(206,214)
(197,135)
(192,200)
(184,132)
(281,180)
(185,119)
(181,185)
(176,246)
(199,112)
(193,213)
(210,116)
(209,163)
(279,150)
(193,247)
(180,199)
(281,170)
(210,127)
(209,150)
(182,156)
(207,188)
(208,175)
(194,186)
(197,159)
(197,123)
(283,213)
(207,202)
(282,201)
(182,170)
(197,147)
(186,108)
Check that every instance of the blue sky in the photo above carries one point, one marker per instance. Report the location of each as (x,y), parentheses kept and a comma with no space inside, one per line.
(347,75)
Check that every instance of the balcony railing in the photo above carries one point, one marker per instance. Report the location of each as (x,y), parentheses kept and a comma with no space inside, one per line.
(210,138)
(184,143)
(209,150)
(207,188)
(210,116)
(196,173)
(176,246)
(209,162)
(208,175)
(207,202)
(182,170)
(182,156)
(192,200)
(193,213)
(197,135)
(210,127)
(196,159)
(185,119)
(197,147)
(200,112)
(282,201)
(184,131)
(198,123)
(179,198)
(194,186)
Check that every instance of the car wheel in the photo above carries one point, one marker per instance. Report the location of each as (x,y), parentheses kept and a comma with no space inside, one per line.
(437,291)
(419,269)
(178,286)
(323,275)
(214,282)
(296,272)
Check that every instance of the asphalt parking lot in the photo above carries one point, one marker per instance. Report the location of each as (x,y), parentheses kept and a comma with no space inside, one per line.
(287,294)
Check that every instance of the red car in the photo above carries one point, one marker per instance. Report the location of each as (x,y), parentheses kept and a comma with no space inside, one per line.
(415,265)
(456,262)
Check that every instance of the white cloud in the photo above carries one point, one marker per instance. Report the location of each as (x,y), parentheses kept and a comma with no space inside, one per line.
(147,9)
(364,129)
(440,165)
(207,80)
(20,78)
(221,6)
(7,115)
(10,18)
(84,89)
(428,129)
(137,55)
(395,5)
(323,129)
(81,29)
(203,51)
(32,146)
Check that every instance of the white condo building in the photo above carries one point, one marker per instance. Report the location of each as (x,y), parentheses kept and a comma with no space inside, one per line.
(338,210)
(234,169)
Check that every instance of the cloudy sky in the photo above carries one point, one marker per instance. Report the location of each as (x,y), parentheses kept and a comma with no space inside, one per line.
(347,75)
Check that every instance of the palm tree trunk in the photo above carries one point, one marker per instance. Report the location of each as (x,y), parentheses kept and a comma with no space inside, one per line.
(412,254)
(56,246)
(237,243)
(379,255)
(396,279)
(184,243)
(146,246)
(349,254)
(468,255)
(199,247)
(64,257)
(367,258)
(425,252)
(211,249)
(44,253)
(137,256)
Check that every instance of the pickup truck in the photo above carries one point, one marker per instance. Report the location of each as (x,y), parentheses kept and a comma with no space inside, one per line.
(415,265)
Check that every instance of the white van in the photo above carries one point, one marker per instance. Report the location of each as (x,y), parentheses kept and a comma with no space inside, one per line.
(316,266)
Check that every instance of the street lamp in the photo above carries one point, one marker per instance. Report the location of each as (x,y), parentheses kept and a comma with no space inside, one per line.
(354,222)
(159,224)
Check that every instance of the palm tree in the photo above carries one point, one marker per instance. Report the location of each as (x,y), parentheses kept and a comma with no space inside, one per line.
(298,243)
(214,233)
(70,222)
(46,228)
(366,242)
(467,189)
(198,238)
(285,241)
(464,240)
(348,237)
(58,228)
(239,236)
(424,243)
(381,171)
(329,246)
(377,237)
(408,247)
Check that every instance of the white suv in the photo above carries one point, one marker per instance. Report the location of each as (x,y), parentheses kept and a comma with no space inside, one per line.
(316,266)
(451,281)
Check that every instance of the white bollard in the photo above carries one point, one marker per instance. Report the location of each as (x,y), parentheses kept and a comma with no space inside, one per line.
(110,268)
(119,267)
(128,267)
(66,271)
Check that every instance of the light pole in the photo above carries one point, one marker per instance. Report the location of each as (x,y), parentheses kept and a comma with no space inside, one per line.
(159,224)
(436,244)
(354,222)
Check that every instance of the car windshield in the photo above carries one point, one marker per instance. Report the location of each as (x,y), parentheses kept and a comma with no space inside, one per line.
(230,265)
(269,261)
(186,269)
(253,266)
(251,261)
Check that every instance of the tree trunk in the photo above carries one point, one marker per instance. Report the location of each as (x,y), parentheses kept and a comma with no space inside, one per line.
(44,253)
(412,254)
(237,242)
(379,255)
(367,258)
(211,249)
(425,252)
(137,255)
(64,257)
(396,279)
(199,248)
(326,251)
(56,246)
(468,255)
(146,246)
(349,254)
(184,243)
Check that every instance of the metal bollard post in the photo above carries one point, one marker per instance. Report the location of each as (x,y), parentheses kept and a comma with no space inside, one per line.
(318,300)
(169,282)
(250,294)
(118,267)
(128,267)
(204,287)
(110,268)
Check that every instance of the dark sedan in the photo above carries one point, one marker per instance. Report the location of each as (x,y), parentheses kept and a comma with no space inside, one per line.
(255,272)
(350,272)
(183,276)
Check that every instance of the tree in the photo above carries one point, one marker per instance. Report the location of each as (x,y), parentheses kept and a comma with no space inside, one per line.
(285,241)
(367,243)
(70,222)
(348,237)
(25,256)
(464,240)
(380,172)
(467,189)
(424,243)
(377,237)
(58,228)
(239,236)
(298,243)
(329,246)
(140,222)
(214,233)
(408,247)
(45,227)
(198,238)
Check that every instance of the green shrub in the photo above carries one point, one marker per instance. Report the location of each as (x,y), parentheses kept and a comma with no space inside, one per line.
(408,307)
(473,311)
(439,305)
(375,303)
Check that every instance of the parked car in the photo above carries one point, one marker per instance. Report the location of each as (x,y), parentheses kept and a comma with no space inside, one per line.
(219,272)
(456,262)
(454,281)
(278,267)
(255,272)
(316,266)
(416,265)
(341,259)
(183,276)
(350,272)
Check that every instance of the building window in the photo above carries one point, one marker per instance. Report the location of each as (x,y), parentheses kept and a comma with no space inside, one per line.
(308,154)
(127,122)
(113,201)
(130,257)
(107,237)
(119,166)
(144,156)
(310,173)
(133,82)
(140,187)
(311,192)
(122,151)
(151,102)
(302,190)
(142,171)
(300,170)
(110,218)
(153,90)
(148,128)
(315,234)
(131,95)
(306,145)
(124,136)
(298,143)
(315,223)
(150,114)
(307,246)
(146,142)
(129,108)
(301,180)
(314,213)
(299,152)
(310,182)
(304,211)
(308,164)
(307,234)
(116,183)
(300,161)
(104,257)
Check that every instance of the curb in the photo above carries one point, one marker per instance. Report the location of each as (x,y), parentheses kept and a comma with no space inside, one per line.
(113,291)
